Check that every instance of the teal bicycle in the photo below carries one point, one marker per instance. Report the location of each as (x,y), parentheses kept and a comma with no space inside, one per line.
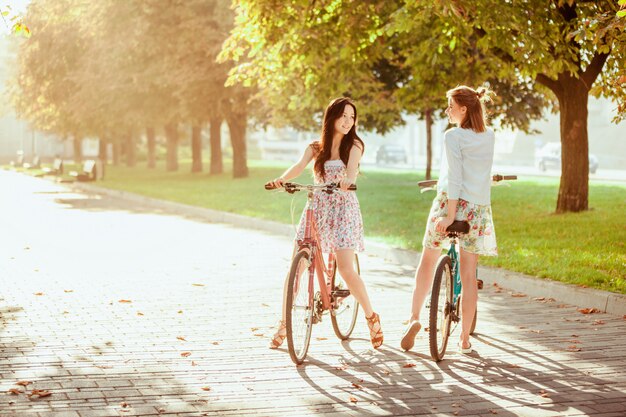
(445,298)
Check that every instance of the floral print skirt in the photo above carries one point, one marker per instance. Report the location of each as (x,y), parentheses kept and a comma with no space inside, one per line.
(481,238)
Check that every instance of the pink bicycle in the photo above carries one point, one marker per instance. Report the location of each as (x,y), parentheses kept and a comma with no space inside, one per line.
(307,302)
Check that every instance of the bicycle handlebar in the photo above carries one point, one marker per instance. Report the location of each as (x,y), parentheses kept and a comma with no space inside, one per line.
(495,178)
(292,187)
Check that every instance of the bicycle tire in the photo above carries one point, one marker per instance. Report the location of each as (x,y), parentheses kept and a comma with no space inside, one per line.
(344,317)
(439,318)
(299,306)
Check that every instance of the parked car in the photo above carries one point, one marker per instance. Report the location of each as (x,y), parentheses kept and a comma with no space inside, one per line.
(549,156)
(388,153)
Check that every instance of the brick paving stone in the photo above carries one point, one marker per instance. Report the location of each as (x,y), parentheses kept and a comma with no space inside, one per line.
(214,291)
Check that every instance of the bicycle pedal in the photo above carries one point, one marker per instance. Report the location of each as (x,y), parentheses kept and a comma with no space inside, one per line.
(341,293)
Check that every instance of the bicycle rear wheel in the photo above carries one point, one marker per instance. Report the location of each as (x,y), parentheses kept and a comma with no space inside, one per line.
(345,307)
(440,308)
(299,305)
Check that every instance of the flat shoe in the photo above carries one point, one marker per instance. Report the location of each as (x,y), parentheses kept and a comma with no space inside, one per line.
(465,351)
(408,338)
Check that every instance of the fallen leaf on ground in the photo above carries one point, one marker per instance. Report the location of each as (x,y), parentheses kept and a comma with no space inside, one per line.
(66,312)
(39,393)
(518,294)
(574,348)
(193,363)
(23,383)
(181,338)
(539,298)
(198,285)
(544,394)
(322,338)
(589,310)
(537,331)
(180,311)
(206,388)
(38,293)
(216,343)
(139,313)
(409,365)
(124,301)
(259,334)
(14,391)
(598,322)
(124,404)
(185,354)
(254,329)
(265,304)
(341,368)
(68,290)
(357,386)
(353,399)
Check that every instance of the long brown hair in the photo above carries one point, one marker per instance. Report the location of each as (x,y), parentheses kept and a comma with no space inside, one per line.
(474,101)
(323,147)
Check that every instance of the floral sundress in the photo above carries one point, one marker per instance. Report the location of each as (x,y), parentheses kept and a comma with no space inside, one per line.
(481,238)
(337,215)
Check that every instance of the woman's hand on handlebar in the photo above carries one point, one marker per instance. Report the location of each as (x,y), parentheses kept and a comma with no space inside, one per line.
(344,184)
(277,182)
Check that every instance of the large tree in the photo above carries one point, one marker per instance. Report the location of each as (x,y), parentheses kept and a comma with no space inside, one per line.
(567,49)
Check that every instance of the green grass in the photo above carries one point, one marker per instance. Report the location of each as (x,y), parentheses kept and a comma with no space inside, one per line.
(586,249)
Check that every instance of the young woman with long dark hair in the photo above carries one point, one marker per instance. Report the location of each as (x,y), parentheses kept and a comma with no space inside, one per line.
(338,215)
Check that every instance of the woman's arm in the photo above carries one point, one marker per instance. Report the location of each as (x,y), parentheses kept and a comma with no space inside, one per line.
(353,167)
(296,169)
(455,179)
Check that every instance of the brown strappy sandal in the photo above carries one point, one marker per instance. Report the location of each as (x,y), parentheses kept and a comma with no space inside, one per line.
(279,336)
(375,336)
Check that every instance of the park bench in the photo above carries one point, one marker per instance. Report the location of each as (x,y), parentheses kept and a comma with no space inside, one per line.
(56,169)
(19,161)
(88,171)
(35,164)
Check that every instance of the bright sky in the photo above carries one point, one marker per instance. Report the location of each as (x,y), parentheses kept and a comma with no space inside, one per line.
(17,7)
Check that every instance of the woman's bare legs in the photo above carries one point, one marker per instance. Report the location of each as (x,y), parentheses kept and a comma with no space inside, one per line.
(423,280)
(423,283)
(345,266)
(469,294)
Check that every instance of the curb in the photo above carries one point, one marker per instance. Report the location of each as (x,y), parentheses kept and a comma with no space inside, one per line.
(608,302)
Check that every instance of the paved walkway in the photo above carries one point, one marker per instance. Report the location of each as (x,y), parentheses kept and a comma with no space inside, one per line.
(123,309)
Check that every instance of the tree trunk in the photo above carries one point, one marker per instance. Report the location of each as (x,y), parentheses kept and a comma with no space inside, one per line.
(77,144)
(131,150)
(196,149)
(117,151)
(171,134)
(429,142)
(574,188)
(151,142)
(102,150)
(217,165)
(237,128)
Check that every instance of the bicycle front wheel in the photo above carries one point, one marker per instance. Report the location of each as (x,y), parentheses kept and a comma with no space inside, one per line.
(345,307)
(299,305)
(440,308)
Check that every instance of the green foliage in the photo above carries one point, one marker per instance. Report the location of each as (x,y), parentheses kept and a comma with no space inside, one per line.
(107,67)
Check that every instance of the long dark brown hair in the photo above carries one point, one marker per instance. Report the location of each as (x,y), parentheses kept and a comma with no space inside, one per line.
(323,147)
(474,100)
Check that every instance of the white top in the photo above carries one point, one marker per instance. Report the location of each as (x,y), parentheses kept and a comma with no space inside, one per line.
(466,165)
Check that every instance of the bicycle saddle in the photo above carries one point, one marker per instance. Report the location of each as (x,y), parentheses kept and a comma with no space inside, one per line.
(458,227)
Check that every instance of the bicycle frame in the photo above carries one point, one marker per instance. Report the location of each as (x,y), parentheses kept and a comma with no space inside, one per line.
(456,273)
(310,242)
